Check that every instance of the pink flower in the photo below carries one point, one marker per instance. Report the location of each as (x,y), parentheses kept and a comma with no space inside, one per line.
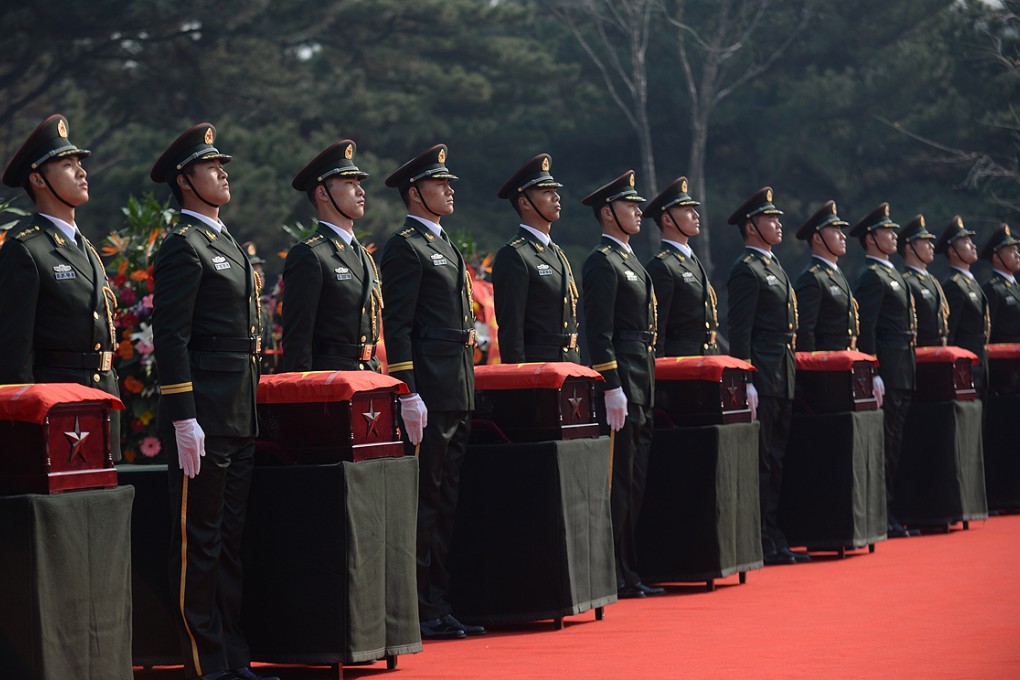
(147,301)
(150,447)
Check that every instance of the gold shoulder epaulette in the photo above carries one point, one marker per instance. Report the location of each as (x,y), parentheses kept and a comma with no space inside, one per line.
(814,268)
(517,242)
(407,232)
(874,266)
(314,240)
(748,258)
(955,277)
(662,255)
(604,249)
(28,233)
(182,229)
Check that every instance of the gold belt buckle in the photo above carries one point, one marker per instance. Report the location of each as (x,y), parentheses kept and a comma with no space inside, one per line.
(470,338)
(711,337)
(258,345)
(105,361)
(573,341)
(366,352)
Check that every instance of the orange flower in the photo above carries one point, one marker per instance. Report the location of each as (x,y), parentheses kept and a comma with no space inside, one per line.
(139,275)
(125,350)
(133,385)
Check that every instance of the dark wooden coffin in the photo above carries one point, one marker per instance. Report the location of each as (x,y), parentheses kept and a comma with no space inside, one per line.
(834,382)
(1004,368)
(693,391)
(944,374)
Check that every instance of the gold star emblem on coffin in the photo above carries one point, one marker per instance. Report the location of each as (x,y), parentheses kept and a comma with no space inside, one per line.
(575,403)
(76,439)
(371,419)
(733,389)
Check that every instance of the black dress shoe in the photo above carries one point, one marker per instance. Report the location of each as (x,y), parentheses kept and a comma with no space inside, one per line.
(468,629)
(779,557)
(630,593)
(896,530)
(439,629)
(798,558)
(650,591)
(246,673)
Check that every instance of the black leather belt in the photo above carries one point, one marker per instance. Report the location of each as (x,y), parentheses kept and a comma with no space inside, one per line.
(773,336)
(640,336)
(464,336)
(212,343)
(362,352)
(90,361)
(568,340)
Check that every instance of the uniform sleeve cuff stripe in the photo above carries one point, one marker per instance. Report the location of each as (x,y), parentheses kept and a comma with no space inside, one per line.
(175,389)
(404,366)
(608,366)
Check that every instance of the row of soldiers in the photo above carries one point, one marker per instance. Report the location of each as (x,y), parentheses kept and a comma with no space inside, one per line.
(58,327)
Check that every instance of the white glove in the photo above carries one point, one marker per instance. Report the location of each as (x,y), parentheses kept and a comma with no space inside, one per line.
(878,387)
(190,446)
(752,400)
(415,417)
(616,408)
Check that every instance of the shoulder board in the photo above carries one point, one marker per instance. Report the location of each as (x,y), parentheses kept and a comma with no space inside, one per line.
(517,242)
(748,259)
(875,267)
(662,254)
(955,278)
(182,229)
(604,249)
(814,268)
(28,233)
(407,233)
(315,240)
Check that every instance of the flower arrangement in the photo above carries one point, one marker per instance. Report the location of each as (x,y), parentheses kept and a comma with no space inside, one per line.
(132,249)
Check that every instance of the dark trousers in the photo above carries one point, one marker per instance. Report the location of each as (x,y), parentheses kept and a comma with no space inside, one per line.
(631,446)
(444,443)
(205,578)
(774,415)
(895,407)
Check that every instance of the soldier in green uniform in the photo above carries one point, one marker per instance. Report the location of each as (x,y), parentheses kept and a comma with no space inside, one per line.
(826,309)
(57,307)
(1001,290)
(915,245)
(332,296)
(763,326)
(430,341)
(887,331)
(969,319)
(205,323)
(619,312)
(268,359)
(533,285)
(688,321)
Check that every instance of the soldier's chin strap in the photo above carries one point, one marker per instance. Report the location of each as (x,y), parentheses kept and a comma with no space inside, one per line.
(616,219)
(754,223)
(335,206)
(424,202)
(52,190)
(875,241)
(195,191)
(669,211)
(952,244)
(916,254)
(540,213)
(826,244)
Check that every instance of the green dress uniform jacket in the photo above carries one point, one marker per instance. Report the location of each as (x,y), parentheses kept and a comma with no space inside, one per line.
(763,322)
(688,321)
(968,320)
(429,318)
(1003,308)
(826,309)
(206,330)
(619,312)
(887,323)
(57,313)
(536,302)
(332,305)
(930,306)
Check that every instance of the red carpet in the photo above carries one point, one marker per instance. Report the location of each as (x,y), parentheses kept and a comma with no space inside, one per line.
(937,606)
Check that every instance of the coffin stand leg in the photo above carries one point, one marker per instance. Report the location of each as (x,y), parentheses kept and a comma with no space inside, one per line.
(710,585)
(871,547)
(966,525)
(842,552)
(743,577)
(391,663)
(599,613)
(558,623)
(337,671)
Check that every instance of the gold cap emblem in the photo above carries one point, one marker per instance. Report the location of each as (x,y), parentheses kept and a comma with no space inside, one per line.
(62,128)
(768,195)
(349,152)
(958,221)
(442,156)
(887,210)
(922,220)
(251,249)
(833,207)
(632,179)
(1006,229)
(545,164)
(683,186)
(209,135)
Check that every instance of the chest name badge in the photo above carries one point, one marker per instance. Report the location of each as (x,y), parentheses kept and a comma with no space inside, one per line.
(343,274)
(836,291)
(438,259)
(62,272)
(544,270)
(973,295)
(220,262)
(688,277)
(926,294)
(1011,301)
(771,280)
(631,276)
(895,285)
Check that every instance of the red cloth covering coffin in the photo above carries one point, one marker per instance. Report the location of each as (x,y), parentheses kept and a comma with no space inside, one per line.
(56,437)
(1004,368)
(835,382)
(534,402)
(701,390)
(944,374)
(329,416)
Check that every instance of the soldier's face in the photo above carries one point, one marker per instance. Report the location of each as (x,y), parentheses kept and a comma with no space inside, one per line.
(547,201)
(687,220)
(770,229)
(1009,258)
(437,195)
(966,249)
(210,181)
(835,239)
(925,249)
(67,177)
(349,196)
(885,239)
(628,213)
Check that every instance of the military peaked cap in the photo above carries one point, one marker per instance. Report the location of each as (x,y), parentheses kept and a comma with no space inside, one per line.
(876,219)
(912,231)
(760,203)
(953,231)
(429,165)
(620,189)
(194,145)
(532,175)
(1000,238)
(826,216)
(335,160)
(675,194)
(48,141)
